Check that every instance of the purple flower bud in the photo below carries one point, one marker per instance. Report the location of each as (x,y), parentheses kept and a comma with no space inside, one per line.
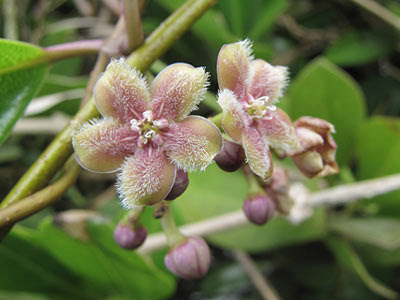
(128,236)
(259,208)
(231,156)
(180,185)
(189,259)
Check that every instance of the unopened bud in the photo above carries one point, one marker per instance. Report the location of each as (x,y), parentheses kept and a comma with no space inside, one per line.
(316,156)
(180,185)
(129,236)
(190,259)
(259,208)
(231,156)
(278,189)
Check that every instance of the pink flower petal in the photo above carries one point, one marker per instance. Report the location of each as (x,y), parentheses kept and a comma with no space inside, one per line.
(279,131)
(235,120)
(103,145)
(121,92)
(257,153)
(193,143)
(146,178)
(268,80)
(177,90)
(233,68)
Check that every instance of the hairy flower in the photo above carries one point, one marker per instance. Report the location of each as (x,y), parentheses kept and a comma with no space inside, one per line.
(146,133)
(249,89)
(316,156)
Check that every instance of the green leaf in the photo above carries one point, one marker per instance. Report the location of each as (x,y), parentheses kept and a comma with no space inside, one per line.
(380,232)
(378,148)
(267,12)
(346,255)
(27,267)
(20,80)
(323,90)
(357,48)
(215,192)
(103,266)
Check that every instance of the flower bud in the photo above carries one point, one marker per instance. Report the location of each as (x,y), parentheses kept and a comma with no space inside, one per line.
(180,185)
(189,259)
(278,189)
(231,156)
(128,236)
(316,156)
(259,208)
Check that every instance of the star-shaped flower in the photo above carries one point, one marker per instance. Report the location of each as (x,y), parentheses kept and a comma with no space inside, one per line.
(249,88)
(146,133)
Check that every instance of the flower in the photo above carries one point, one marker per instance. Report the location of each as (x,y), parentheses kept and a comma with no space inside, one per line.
(189,259)
(146,133)
(249,88)
(316,156)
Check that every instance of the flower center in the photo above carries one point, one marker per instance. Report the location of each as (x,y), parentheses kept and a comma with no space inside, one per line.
(148,128)
(258,108)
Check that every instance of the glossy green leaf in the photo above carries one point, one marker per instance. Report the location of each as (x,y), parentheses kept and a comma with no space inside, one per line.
(27,267)
(323,90)
(346,255)
(357,48)
(19,81)
(380,232)
(215,192)
(103,266)
(378,148)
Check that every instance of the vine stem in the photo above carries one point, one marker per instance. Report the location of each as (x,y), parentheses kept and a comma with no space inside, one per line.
(55,155)
(332,196)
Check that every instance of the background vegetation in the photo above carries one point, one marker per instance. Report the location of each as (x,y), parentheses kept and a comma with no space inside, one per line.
(345,67)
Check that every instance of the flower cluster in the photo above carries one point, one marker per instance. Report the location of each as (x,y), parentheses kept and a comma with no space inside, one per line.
(147,135)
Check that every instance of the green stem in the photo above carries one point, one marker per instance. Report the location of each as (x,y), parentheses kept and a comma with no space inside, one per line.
(60,149)
(133,23)
(254,185)
(174,236)
(58,52)
(168,32)
(132,216)
(37,201)
(217,120)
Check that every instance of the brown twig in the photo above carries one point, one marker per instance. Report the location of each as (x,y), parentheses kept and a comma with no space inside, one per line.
(260,282)
(333,196)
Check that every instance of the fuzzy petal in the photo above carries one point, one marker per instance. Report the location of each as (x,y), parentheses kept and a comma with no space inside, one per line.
(268,80)
(279,131)
(102,145)
(235,120)
(193,143)
(121,92)
(233,67)
(146,178)
(177,90)
(257,153)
